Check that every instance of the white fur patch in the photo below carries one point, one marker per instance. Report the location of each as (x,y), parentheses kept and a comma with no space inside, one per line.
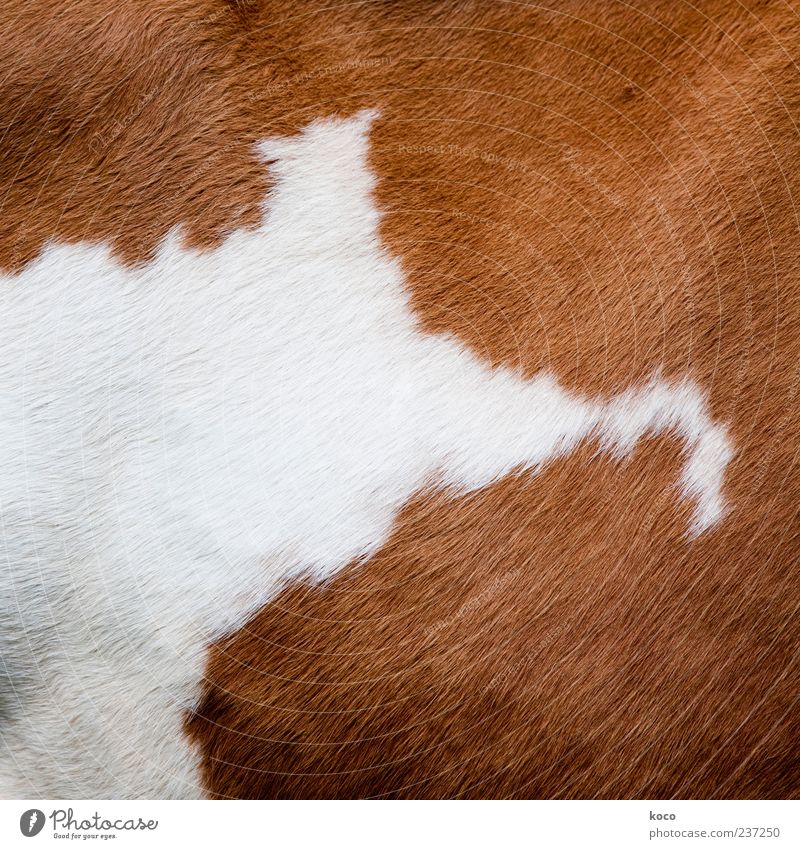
(179,439)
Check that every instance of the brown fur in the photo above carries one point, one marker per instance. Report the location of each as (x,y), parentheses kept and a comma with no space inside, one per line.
(602,190)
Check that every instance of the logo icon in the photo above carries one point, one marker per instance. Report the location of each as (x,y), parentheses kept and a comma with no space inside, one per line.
(31,822)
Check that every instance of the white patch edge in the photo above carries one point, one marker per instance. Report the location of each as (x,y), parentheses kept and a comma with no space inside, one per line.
(179,439)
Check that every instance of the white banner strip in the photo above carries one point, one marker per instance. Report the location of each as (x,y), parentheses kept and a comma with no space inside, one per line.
(549,824)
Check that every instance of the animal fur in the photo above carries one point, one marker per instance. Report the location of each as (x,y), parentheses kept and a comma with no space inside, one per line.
(399,399)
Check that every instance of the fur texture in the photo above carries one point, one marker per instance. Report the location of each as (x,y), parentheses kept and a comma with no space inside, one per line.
(208,426)
(567,248)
